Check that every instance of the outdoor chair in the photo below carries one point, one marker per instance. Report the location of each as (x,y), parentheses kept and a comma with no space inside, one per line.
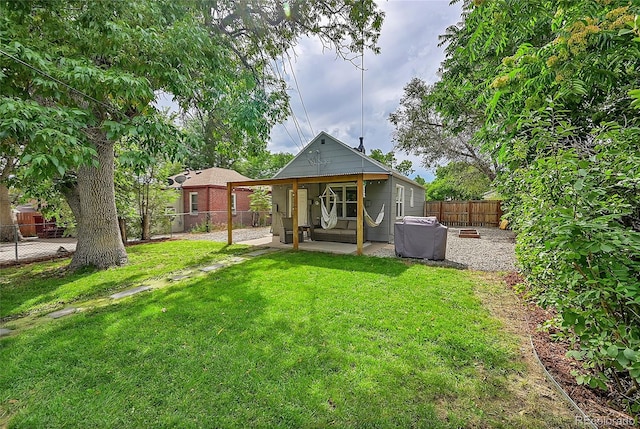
(286,235)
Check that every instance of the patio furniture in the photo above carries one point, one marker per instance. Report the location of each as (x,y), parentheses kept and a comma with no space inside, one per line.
(345,231)
(420,237)
(286,235)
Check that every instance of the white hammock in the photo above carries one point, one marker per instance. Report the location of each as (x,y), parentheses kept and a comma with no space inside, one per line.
(329,218)
(370,220)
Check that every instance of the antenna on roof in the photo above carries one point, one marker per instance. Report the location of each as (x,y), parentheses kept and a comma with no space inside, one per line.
(361,147)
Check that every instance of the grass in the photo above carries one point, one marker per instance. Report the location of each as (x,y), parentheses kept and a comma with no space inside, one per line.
(48,286)
(291,339)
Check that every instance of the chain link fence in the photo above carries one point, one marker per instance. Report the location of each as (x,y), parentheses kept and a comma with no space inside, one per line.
(214,220)
(34,241)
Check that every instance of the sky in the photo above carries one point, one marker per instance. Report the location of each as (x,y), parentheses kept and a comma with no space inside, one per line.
(330,87)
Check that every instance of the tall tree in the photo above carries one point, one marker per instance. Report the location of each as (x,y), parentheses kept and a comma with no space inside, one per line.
(98,65)
(9,230)
(421,130)
(389,159)
(556,82)
(263,165)
(457,181)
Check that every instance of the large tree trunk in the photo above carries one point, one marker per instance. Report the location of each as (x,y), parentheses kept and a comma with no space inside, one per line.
(93,203)
(8,226)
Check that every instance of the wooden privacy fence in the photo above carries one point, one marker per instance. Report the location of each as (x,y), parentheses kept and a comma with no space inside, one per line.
(27,222)
(465,213)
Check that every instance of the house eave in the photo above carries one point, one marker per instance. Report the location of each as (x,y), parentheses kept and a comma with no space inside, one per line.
(313,179)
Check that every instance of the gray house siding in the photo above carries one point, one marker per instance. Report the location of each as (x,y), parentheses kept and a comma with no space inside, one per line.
(418,201)
(327,156)
(378,193)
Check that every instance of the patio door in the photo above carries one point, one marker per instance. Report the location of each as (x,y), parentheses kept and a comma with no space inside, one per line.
(303,214)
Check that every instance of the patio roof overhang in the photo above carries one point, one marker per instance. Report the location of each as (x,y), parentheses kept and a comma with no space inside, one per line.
(359,178)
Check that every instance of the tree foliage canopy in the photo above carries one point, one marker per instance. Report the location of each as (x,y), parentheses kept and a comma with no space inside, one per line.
(420,129)
(76,77)
(556,85)
(389,159)
(457,181)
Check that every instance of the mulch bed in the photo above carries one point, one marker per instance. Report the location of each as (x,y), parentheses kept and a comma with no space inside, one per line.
(602,407)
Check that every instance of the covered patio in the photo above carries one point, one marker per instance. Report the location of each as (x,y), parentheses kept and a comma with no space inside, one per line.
(295,183)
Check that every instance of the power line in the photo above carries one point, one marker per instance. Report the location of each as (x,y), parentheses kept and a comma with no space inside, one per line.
(295,79)
(293,116)
(362,81)
(362,93)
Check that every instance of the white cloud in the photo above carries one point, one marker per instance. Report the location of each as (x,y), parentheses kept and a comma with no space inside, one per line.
(331,87)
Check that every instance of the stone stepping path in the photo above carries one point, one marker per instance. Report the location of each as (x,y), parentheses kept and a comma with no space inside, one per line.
(61,313)
(130,292)
(260,252)
(211,268)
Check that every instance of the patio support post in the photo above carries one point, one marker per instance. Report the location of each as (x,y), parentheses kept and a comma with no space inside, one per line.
(294,214)
(229,215)
(360,218)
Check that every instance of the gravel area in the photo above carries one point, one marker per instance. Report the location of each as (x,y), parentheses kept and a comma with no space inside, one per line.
(493,251)
(239,235)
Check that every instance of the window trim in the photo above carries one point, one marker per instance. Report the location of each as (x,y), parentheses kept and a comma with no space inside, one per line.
(410,197)
(191,210)
(233,204)
(343,202)
(399,201)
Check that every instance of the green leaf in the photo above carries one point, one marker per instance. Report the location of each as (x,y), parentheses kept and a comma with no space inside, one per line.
(612,351)
(632,355)
(605,247)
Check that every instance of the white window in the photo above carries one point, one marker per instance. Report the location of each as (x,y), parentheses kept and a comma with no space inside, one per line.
(233,204)
(346,200)
(399,201)
(410,197)
(193,202)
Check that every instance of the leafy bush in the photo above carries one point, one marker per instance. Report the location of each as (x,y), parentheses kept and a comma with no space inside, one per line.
(579,246)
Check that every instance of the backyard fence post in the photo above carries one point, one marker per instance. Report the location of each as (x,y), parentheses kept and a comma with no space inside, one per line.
(15,238)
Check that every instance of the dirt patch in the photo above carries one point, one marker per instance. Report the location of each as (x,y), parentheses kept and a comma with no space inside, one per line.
(596,404)
(531,392)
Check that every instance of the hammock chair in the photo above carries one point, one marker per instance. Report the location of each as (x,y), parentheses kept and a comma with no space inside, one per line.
(370,220)
(329,218)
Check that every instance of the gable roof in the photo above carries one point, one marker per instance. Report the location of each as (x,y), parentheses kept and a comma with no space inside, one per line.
(213,176)
(325,155)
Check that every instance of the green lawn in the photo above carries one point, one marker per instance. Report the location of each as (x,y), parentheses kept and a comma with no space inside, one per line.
(291,339)
(48,286)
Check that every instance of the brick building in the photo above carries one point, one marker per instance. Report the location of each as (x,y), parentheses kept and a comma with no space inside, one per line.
(204,199)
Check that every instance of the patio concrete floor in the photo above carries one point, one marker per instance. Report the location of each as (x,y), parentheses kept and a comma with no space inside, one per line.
(314,246)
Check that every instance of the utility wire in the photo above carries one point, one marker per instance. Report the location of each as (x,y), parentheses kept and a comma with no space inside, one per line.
(362,80)
(71,88)
(293,116)
(295,79)
(362,92)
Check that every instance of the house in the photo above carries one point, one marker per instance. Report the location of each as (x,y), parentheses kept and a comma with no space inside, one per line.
(327,172)
(203,199)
